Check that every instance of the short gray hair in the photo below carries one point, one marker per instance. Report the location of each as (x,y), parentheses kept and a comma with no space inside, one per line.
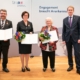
(49,18)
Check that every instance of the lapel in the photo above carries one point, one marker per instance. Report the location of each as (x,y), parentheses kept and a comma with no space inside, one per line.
(73,21)
(46,28)
(24,23)
(6,23)
(52,28)
(67,22)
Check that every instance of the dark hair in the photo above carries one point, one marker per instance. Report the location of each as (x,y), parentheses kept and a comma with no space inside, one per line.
(23,13)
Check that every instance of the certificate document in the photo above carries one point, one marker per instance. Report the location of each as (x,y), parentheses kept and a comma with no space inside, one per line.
(6,34)
(30,39)
(53,37)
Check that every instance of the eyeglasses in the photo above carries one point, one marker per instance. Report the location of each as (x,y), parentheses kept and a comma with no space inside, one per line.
(2,13)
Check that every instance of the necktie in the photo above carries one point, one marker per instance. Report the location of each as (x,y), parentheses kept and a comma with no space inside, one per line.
(2,25)
(70,21)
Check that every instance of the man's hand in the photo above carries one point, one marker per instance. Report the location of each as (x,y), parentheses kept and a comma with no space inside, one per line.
(5,40)
(30,32)
(79,41)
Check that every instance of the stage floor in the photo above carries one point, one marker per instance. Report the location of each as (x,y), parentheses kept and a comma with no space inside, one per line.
(36,72)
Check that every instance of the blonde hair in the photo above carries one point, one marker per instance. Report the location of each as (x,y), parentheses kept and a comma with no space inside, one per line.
(49,18)
(70,7)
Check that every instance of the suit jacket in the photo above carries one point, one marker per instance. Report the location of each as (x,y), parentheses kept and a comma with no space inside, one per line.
(73,31)
(8,24)
(25,28)
(52,46)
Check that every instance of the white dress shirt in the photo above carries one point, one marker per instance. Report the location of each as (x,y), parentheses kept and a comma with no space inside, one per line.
(47,49)
(3,22)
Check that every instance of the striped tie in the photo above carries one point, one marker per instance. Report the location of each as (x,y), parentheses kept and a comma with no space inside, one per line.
(2,25)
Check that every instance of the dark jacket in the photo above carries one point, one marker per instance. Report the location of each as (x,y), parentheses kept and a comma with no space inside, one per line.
(73,31)
(22,27)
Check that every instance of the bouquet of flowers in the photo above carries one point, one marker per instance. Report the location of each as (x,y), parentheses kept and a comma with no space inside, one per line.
(45,35)
(19,36)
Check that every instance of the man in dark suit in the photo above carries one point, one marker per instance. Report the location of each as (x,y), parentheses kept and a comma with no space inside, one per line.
(4,44)
(71,37)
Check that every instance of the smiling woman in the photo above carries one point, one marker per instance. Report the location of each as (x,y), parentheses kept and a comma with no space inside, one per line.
(48,49)
(25,49)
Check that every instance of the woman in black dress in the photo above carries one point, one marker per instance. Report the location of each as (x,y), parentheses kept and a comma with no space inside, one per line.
(25,49)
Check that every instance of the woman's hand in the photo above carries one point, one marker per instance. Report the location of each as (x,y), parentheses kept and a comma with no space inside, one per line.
(51,42)
(30,32)
(41,38)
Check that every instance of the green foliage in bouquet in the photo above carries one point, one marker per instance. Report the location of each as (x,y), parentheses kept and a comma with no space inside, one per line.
(45,35)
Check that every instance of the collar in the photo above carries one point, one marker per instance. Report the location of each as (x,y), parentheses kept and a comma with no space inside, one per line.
(4,20)
(50,27)
(71,16)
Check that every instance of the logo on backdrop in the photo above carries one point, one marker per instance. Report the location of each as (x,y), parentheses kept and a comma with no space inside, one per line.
(18,3)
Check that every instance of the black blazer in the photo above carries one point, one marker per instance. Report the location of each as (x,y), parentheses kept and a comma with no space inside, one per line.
(73,31)
(8,24)
(25,28)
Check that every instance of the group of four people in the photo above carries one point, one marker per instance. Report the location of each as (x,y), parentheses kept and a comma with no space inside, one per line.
(70,37)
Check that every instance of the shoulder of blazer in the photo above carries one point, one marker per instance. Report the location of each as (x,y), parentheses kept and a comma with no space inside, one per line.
(75,16)
(44,26)
(20,22)
(54,28)
(29,22)
(8,21)
(65,18)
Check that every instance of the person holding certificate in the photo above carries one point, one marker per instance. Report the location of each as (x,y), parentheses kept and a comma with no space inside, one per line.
(48,49)
(25,49)
(4,44)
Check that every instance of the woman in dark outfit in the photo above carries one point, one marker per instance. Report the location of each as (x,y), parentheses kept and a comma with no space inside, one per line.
(25,49)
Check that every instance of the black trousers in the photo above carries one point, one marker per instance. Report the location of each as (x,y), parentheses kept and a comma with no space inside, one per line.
(51,55)
(4,51)
(69,45)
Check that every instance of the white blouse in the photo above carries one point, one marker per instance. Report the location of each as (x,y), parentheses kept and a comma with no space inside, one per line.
(47,49)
